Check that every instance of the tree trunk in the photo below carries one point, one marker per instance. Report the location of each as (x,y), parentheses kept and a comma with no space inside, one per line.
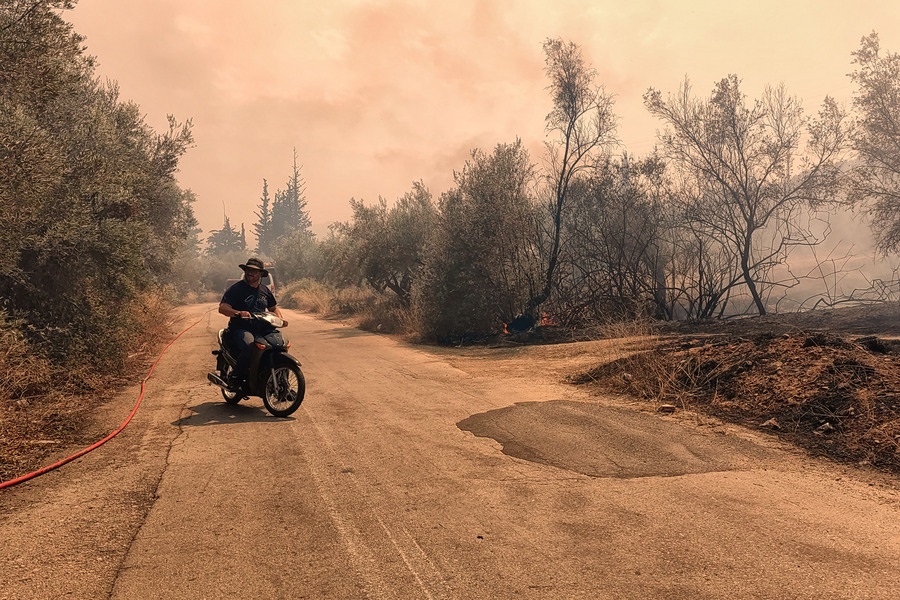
(748,278)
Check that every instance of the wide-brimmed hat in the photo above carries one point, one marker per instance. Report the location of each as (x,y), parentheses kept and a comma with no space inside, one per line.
(256,264)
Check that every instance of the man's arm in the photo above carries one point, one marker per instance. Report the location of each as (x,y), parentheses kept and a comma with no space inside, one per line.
(225,309)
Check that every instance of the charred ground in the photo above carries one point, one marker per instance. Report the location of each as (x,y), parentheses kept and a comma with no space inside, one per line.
(827,381)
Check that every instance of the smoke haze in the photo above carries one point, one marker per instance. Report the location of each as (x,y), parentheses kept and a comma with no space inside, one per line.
(378,94)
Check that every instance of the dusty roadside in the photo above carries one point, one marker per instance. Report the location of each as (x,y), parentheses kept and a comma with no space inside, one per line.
(65,532)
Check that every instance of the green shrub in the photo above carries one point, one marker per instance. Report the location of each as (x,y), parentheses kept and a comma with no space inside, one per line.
(480,264)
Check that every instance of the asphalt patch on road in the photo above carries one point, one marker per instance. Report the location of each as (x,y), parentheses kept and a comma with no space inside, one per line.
(603,441)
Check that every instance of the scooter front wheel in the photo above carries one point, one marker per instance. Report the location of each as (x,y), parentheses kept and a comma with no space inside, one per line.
(285,388)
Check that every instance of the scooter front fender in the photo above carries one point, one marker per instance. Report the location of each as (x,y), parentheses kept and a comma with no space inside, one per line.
(261,364)
(283,358)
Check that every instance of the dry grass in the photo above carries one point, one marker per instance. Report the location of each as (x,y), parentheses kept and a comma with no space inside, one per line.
(363,307)
(326,300)
(25,401)
(195,297)
(45,406)
(632,329)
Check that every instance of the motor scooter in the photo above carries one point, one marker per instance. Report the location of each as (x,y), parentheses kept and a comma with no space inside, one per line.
(274,375)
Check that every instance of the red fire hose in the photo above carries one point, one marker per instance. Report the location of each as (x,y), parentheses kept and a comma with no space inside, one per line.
(56,465)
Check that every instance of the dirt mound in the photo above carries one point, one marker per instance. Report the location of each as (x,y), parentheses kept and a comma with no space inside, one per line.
(831,393)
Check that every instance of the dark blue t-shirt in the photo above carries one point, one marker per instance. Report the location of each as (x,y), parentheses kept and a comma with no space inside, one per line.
(242,296)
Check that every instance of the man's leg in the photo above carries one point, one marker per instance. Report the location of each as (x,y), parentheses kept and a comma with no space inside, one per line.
(241,340)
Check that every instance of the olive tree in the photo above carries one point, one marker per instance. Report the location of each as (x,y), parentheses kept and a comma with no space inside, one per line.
(92,214)
(877,139)
(614,259)
(384,246)
(581,128)
(754,171)
(481,262)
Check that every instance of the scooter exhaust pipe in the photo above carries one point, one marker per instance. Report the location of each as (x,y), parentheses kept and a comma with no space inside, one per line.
(216,380)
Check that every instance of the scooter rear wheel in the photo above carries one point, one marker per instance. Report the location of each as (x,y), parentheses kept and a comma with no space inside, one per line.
(230,396)
(285,388)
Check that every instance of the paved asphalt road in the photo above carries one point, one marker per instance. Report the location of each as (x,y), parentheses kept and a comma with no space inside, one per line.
(408,474)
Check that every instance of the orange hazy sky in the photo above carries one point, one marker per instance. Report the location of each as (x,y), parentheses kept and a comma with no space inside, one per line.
(377,94)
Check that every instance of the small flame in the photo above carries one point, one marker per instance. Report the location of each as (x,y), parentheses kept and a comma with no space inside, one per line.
(548,320)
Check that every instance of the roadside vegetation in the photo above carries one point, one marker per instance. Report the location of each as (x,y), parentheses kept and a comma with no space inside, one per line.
(91,224)
(729,216)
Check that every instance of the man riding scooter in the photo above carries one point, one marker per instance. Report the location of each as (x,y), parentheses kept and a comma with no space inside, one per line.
(240,300)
